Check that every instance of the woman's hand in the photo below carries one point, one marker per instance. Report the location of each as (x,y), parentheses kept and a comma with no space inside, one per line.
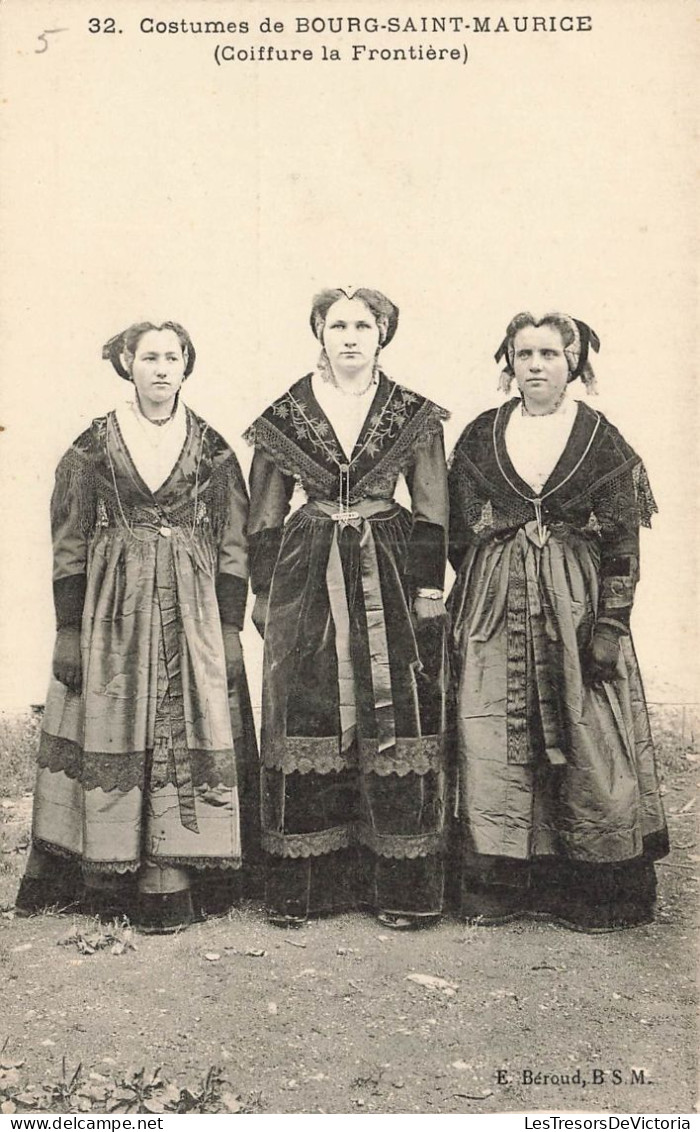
(603,654)
(428,609)
(233,654)
(67,660)
(259,614)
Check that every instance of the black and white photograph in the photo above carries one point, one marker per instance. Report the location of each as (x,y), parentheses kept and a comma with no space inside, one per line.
(349,700)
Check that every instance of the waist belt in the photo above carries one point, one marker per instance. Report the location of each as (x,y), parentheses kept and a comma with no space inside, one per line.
(363,509)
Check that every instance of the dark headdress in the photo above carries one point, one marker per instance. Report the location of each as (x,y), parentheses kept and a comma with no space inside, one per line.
(578,338)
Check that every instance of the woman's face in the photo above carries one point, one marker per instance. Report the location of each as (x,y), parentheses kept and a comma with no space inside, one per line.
(540,365)
(158,369)
(350,336)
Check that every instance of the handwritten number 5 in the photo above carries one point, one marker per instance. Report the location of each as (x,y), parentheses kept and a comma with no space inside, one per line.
(44,40)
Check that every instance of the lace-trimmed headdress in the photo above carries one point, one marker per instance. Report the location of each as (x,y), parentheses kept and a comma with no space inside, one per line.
(578,339)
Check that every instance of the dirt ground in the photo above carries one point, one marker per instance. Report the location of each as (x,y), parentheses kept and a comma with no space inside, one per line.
(327,1019)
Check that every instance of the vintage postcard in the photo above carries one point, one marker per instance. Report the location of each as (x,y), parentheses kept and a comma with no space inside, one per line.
(203,171)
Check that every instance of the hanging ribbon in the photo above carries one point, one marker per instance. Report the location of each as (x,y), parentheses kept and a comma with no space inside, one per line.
(170,730)
(376,624)
(338,600)
(531,631)
(378,644)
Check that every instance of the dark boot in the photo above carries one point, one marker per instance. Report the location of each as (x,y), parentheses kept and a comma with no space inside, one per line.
(162,913)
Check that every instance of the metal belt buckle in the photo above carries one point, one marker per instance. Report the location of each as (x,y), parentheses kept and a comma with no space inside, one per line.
(347,518)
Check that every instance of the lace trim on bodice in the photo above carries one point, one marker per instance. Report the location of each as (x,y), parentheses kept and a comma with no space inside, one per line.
(302,445)
(99,508)
(622,499)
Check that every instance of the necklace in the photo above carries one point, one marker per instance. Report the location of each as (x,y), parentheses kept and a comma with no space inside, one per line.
(157,421)
(352,392)
(326,371)
(152,436)
(547,412)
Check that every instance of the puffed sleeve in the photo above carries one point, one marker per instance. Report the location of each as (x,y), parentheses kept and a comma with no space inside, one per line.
(232,539)
(73,507)
(427,484)
(270,495)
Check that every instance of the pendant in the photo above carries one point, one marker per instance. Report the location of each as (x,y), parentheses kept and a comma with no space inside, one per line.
(539,527)
(536,533)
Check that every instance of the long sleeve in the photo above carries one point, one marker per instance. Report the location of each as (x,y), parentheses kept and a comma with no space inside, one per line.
(427,484)
(270,495)
(232,565)
(464,509)
(73,505)
(617,513)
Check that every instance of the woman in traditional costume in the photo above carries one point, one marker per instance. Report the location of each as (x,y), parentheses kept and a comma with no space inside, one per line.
(148,711)
(558,801)
(349,598)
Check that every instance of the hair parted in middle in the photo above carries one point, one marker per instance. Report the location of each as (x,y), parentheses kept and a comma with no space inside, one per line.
(577,340)
(386,313)
(125,343)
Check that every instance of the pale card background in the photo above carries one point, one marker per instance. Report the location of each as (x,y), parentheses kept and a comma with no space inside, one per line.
(142,181)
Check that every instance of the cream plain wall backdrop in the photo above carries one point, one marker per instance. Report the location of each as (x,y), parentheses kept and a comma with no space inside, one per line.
(140,180)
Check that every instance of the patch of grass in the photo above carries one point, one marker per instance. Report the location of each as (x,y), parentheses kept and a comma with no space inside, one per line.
(19,739)
(675,728)
(210,1095)
(142,1091)
(135,1090)
(64,1089)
